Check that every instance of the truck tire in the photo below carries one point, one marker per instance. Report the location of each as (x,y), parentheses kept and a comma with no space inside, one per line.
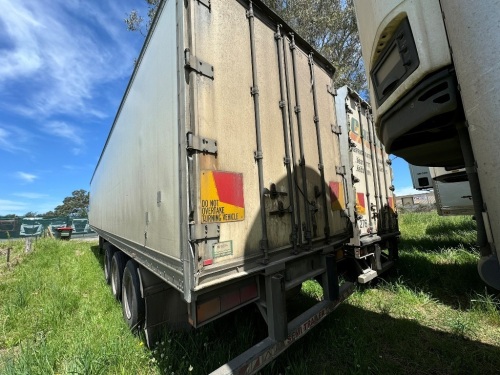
(108,254)
(117,266)
(133,306)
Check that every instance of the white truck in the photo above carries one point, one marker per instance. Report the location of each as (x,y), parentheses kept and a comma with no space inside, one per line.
(453,196)
(226,179)
(435,92)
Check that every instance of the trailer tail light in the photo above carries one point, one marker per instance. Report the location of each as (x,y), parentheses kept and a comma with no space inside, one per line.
(226,301)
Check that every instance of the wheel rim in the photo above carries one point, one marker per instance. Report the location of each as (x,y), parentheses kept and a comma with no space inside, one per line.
(114,275)
(106,267)
(125,298)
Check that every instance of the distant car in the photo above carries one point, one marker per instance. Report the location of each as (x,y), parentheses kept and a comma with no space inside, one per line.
(30,226)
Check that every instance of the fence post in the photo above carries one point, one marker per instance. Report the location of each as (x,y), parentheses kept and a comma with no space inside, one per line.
(8,255)
(27,246)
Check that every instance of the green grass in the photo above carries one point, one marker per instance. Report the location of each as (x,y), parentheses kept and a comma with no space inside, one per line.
(431,315)
(16,250)
(57,316)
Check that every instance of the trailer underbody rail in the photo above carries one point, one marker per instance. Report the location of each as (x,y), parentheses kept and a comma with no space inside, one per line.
(255,358)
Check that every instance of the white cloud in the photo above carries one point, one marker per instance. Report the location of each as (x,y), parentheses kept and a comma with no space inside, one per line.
(8,207)
(27,177)
(63,50)
(19,23)
(30,195)
(6,141)
(16,207)
(64,130)
(13,139)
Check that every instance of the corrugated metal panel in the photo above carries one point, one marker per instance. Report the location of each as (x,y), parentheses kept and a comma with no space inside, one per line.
(373,195)
(224,111)
(135,188)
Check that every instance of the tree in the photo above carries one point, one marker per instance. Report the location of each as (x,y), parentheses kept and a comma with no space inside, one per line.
(135,22)
(76,205)
(328,25)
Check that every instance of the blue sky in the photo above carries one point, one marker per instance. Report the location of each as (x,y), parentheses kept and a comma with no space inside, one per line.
(64,67)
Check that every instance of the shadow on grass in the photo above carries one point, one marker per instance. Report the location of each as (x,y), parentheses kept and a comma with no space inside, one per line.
(436,243)
(356,341)
(450,284)
(441,261)
(449,226)
(99,256)
(350,341)
(440,235)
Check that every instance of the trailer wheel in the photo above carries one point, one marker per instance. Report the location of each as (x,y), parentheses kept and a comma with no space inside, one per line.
(108,254)
(117,267)
(133,306)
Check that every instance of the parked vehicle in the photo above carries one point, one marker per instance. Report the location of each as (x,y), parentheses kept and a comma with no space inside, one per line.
(435,89)
(226,179)
(453,196)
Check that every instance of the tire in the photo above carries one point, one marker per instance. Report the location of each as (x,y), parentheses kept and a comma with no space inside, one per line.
(117,266)
(108,254)
(133,306)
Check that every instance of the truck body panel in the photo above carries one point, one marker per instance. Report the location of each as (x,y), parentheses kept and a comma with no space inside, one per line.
(467,28)
(142,151)
(453,198)
(453,195)
(449,114)
(136,185)
(378,21)
(223,178)
(373,199)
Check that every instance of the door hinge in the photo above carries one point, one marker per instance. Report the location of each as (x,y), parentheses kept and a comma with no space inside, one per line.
(193,63)
(199,232)
(336,129)
(340,169)
(201,144)
(332,90)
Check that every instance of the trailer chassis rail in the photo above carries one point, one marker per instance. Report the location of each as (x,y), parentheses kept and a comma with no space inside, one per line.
(255,358)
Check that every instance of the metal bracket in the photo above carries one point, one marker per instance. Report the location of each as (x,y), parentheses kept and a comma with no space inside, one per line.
(205,145)
(199,66)
(340,169)
(336,129)
(273,192)
(204,2)
(204,231)
(281,211)
(331,90)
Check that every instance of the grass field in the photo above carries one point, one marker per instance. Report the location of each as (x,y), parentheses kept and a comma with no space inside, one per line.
(431,315)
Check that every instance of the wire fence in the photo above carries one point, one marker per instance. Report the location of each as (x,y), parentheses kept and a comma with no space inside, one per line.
(22,227)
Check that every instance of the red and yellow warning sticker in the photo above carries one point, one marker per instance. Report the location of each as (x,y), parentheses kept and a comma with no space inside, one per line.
(222,197)
(337,195)
(360,204)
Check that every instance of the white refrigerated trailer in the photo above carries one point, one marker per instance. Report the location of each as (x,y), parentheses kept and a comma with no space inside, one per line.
(435,91)
(451,192)
(225,179)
